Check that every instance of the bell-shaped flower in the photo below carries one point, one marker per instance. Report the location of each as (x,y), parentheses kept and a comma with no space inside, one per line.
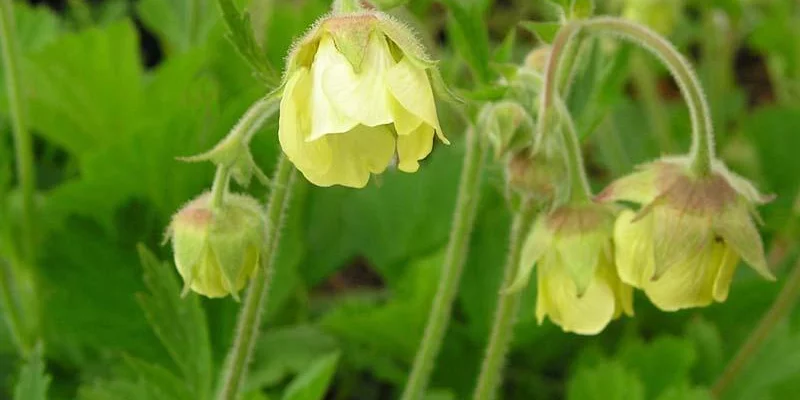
(682,247)
(217,249)
(578,287)
(357,93)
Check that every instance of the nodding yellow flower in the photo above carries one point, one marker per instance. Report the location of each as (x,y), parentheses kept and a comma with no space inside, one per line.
(578,287)
(216,250)
(357,92)
(684,244)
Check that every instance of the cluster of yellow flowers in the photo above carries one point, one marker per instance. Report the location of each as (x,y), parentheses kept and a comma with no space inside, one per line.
(358,95)
(681,247)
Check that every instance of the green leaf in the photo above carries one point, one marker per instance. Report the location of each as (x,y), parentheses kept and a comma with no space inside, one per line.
(467,30)
(609,380)
(661,363)
(138,380)
(581,8)
(384,337)
(313,383)
(505,52)
(180,24)
(685,392)
(85,89)
(33,382)
(287,351)
(179,323)
(544,31)
(240,33)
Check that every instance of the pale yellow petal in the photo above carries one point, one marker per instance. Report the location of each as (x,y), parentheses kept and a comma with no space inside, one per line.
(689,283)
(410,86)
(294,124)
(633,248)
(737,228)
(356,154)
(588,314)
(678,235)
(325,116)
(725,275)
(404,121)
(363,96)
(414,147)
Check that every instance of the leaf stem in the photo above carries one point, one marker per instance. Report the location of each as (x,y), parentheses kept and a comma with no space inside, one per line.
(506,312)
(248,323)
(23,143)
(457,246)
(778,310)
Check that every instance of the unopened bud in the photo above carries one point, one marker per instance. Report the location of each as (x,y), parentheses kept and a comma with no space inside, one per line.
(216,249)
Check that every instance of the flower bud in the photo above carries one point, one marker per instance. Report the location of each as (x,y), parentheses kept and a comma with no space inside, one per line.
(508,126)
(684,244)
(578,288)
(536,59)
(216,250)
(358,91)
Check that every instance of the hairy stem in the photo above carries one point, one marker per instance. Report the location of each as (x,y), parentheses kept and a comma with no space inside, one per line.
(702,151)
(439,317)
(506,312)
(23,144)
(780,308)
(248,323)
(222,177)
(580,191)
(21,323)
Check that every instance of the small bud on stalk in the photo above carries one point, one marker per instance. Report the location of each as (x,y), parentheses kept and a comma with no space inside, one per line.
(216,249)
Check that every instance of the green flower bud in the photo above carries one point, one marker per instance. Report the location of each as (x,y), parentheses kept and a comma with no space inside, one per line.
(536,59)
(508,126)
(216,250)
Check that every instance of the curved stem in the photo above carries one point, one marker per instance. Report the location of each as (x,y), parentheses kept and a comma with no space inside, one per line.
(463,218)
(506,312)
(248,323)
(780,308)
(702,151)
(347,6)
(580,191)
(23,144)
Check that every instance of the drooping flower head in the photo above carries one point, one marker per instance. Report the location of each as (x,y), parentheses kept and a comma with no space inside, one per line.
(578,287)
(683,245)
(357,92)
(216,249)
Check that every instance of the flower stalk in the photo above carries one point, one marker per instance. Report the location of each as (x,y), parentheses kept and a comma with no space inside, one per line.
(248,323)
(16,316)
(506,312)
(456,253)
(702,150)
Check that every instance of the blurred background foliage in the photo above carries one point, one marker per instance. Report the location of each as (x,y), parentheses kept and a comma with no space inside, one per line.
(116,90)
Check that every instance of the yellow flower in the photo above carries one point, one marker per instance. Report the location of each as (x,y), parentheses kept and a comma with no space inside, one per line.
(357,92)
(217,250)
(683,246)
(578,288)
